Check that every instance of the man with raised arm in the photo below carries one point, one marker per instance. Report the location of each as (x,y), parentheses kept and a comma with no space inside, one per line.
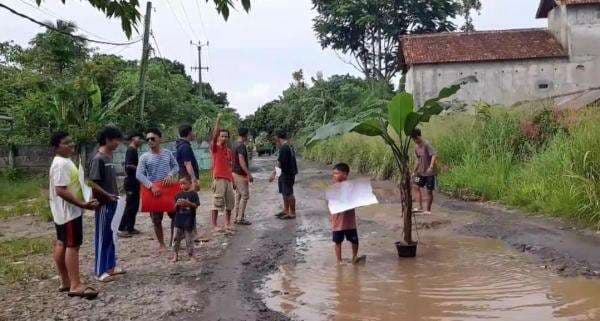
(223,198)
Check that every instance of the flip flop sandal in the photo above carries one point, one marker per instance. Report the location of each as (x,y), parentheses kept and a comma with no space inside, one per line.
(287,217)
(360,259)
(87,293)
(117,271)
(105,277)
(244,222)
(64,289)
(280,214)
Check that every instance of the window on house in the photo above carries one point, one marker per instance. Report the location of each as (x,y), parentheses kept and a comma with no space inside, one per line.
(543,86)
(580,67)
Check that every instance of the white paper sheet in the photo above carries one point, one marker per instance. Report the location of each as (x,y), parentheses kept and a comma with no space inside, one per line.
(350,194)
(116,221)
(277,171)
(85,188)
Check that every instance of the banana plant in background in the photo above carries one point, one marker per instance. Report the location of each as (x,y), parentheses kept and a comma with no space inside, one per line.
(403,117)
(77,107)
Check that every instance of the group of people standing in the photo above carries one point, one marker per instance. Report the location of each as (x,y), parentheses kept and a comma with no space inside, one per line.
(154,171)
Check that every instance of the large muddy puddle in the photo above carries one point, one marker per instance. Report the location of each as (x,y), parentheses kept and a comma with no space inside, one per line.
(453,278)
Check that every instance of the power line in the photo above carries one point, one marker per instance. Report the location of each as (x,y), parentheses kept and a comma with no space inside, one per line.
(185,15)
(178,21)
(64,32)
(162,60)
(202,27)
(48,12)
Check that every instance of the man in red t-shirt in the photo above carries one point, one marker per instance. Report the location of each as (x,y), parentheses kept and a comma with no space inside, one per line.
(223,196)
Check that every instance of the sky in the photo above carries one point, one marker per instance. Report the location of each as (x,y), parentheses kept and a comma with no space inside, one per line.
(251,56)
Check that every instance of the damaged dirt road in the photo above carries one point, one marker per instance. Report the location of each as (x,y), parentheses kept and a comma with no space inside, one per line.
(475,261)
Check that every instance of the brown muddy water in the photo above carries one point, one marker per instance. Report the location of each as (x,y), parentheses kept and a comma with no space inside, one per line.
(453,278)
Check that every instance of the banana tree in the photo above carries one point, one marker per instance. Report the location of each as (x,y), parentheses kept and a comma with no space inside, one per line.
(403,117)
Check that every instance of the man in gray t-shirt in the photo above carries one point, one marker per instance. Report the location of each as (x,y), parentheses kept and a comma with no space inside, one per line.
(103,179)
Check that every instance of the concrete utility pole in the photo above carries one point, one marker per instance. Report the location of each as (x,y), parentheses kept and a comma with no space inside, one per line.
(144,61)
(200,68)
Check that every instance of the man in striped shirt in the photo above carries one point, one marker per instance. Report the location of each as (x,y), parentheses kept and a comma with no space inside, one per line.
(157,165)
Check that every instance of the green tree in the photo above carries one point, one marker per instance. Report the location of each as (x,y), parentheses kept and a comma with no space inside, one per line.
(370,30)
(466,8)
(127,11)
(54,53)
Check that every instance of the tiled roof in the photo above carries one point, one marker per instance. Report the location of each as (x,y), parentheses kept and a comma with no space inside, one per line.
(480,46)
(547,5)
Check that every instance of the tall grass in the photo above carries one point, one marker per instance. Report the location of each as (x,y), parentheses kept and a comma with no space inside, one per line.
(523,157)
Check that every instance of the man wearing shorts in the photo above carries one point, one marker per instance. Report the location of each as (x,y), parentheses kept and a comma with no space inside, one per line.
(157,165)
(223,196)
(67,205)
(289,169)
(424,173)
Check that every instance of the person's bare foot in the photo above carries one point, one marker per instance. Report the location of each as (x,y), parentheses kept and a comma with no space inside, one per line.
(174,259)
(193,258)
(161,250)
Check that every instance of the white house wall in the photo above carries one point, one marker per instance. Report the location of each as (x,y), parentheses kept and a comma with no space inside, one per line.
(506,82)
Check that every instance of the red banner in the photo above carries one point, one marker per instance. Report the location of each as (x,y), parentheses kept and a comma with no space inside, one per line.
(165,202)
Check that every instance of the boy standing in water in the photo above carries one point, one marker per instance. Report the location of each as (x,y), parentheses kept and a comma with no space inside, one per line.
(186,203)
(343,224)
(424,172)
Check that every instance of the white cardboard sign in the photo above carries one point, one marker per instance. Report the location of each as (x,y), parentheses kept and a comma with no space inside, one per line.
(350,194)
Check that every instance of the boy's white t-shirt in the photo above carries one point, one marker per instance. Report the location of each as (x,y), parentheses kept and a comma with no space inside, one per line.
(63,172)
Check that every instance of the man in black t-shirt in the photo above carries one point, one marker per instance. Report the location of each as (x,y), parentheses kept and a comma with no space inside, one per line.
(131,186)
(188,165)
(241,177)
(286,162)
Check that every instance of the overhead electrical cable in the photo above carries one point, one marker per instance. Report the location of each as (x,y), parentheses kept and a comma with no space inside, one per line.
(43,24)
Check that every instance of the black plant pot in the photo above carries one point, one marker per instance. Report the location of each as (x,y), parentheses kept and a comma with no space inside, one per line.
(406,250)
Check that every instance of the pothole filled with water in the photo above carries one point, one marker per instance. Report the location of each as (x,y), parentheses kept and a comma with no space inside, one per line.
(453,278)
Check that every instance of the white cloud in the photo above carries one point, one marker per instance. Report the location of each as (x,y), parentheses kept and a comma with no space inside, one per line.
(248,100)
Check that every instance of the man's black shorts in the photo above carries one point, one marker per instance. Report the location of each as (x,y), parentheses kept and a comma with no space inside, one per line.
(426,182)
(70,234)
(286,185)
(350,235)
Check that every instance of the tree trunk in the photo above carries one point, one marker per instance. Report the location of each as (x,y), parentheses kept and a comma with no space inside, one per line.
(406,193)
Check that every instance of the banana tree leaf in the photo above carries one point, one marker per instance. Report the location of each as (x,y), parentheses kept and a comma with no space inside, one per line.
(331,130)
(95,95)
(434,108)
(398,109)
(412,120)
(451,90)
(370,127)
